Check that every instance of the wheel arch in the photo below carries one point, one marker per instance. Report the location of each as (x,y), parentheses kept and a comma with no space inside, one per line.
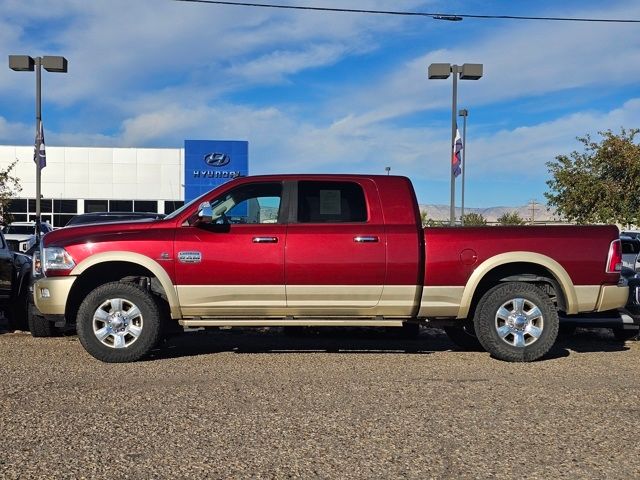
(112,266)
(519,266)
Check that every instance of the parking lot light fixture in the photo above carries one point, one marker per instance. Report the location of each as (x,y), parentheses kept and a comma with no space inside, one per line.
(26,63)
(466,71)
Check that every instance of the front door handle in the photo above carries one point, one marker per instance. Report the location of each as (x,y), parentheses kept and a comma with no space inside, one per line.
(265,239)
(365,239)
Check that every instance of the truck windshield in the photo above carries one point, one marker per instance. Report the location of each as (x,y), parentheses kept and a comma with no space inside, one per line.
(19,230)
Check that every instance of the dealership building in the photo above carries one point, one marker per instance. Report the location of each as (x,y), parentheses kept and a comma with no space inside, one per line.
(93,179)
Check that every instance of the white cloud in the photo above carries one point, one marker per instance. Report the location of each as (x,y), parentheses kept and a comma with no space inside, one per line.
(521,60)
(276,65)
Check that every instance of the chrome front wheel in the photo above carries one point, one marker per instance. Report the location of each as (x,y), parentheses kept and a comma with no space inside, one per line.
(120,322)
(117,323)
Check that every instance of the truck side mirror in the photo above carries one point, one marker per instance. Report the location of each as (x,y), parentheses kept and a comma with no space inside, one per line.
(205,213)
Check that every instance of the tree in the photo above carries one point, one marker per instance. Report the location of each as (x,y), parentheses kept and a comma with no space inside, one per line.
(473,220)
(510,218)
(600,183)
(9,188)
(424,217)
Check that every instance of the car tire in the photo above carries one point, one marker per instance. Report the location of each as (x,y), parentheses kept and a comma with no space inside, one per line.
(19,312)
(516,322)
(39,326)
(623,335)
(119,322)
(464,337)
(567,330)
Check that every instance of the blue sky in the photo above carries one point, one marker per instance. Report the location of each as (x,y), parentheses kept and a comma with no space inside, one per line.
(329,92)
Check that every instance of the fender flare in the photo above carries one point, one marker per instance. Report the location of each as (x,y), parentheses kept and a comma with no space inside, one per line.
(139,259)
(557,270)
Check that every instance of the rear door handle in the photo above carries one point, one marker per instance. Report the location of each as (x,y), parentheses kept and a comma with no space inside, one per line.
(265,239)
(365,239)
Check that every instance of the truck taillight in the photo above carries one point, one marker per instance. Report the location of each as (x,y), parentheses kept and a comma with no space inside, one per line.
(614,261)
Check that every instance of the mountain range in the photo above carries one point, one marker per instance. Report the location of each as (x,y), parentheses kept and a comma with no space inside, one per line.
(539,212)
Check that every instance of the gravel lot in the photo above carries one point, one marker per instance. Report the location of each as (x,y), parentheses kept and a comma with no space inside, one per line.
(354,404)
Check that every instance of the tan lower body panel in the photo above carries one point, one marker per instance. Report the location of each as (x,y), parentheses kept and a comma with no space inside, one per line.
(50,294)
(304,300)
(446,301)
(587,296)
(612,297)
(440,301)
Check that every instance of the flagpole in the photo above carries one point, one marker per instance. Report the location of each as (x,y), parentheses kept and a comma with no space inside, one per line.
(463,113)
(454,108)
(38,65)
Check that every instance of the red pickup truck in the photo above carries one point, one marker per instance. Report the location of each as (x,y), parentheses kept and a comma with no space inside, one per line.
(321,250)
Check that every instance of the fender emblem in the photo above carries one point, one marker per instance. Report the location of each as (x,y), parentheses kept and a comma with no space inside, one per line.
(189,257)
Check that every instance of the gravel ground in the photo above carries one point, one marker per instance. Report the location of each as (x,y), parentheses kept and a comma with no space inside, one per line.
(355,404)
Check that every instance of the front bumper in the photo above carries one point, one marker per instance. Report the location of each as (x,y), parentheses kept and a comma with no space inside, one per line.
(50,294)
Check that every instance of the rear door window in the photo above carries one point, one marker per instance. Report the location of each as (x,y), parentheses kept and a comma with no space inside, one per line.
(331,202)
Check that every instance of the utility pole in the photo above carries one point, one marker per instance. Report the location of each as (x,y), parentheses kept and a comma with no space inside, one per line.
(533,205)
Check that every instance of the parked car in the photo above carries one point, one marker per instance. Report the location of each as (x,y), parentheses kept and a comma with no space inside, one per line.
(105,217)
(21,236)
(15,277)
(631,233)
(630,252)
(346,250)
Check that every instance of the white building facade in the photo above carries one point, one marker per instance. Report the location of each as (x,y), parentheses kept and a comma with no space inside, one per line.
(89,179)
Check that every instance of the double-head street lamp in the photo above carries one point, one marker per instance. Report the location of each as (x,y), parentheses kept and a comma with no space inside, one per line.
(25,63)
(467,71)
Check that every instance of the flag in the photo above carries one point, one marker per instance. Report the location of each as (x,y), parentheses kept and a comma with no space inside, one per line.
(456,159)
(39,154)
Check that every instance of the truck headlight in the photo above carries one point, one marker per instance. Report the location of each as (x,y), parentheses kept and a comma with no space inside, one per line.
(36,267)
(56,258)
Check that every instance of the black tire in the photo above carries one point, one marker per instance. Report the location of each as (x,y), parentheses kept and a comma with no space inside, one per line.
(149,322)
(543,326)
(623,335)
(19,311)
(566,330)
(464,337)
(39,326)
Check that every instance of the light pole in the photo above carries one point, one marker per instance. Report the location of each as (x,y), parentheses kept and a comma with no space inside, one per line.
(467,71)
(388,170)
(25,63)
(464,113)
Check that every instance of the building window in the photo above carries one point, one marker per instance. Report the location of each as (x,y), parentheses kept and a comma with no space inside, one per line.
(92,206)
(45,205)
(19,217)
(121,205)
(61,220)
(145,206)
(18,206)
(171,206)
(65,206)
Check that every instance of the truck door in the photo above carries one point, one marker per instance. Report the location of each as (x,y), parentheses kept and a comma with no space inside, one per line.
(235,265)
(335,252)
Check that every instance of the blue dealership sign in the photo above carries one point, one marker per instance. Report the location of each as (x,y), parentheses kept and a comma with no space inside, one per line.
(210,163)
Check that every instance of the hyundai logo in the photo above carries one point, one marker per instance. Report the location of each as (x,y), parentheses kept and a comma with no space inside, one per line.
(217,159)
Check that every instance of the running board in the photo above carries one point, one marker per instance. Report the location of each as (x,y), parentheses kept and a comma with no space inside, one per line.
(290,322)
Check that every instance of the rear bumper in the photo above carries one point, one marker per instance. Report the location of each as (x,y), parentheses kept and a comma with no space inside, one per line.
(612,297)
(50,294)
